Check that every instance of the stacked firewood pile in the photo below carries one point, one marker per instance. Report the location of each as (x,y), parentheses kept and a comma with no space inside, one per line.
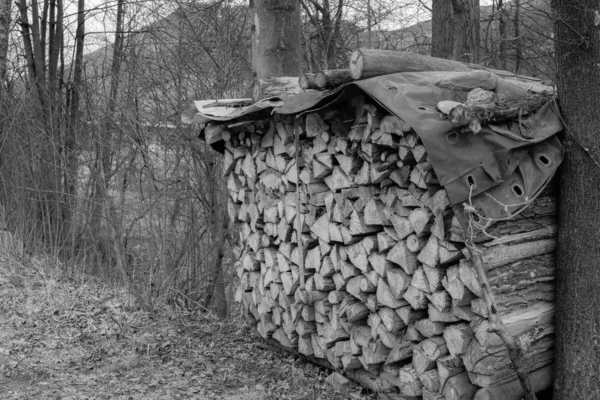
(350,254)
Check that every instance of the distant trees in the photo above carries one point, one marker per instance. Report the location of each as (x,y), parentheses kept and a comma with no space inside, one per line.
(96,169)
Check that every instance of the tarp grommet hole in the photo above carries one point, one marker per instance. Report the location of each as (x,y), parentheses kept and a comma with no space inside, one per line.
(544,160)
(517,190)
(479,213)
(422,108)
(452,137)
(471,181)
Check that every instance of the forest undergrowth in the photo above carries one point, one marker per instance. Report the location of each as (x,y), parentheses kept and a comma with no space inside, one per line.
(77,338)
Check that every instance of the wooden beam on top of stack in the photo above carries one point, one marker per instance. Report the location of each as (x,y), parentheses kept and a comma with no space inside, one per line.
(389,296)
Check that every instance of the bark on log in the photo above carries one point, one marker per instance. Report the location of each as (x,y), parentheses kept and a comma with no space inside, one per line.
(332,78)
(307,81)
(368,63)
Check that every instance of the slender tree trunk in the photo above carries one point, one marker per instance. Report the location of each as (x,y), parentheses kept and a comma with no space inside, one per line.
(103,145)
(517,41)
(442,41)
(578,259)
(276,39)
(33,54)
(5,11)
(218,229)
(5,20)
(70,170)
(502,31)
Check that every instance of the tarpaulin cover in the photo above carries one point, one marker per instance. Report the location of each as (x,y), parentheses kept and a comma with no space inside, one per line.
(498,171)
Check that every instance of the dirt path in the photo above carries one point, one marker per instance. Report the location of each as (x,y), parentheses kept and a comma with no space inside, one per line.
(65,340)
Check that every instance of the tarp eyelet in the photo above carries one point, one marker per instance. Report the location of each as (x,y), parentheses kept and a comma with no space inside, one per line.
(471,182)
(452,137)
(544,160)
(517,190)
(422,108)
(480,213)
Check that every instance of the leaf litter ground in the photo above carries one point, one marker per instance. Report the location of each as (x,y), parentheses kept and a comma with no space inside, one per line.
(61,339)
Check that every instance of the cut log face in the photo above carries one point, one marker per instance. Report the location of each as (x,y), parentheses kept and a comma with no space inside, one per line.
(349,252)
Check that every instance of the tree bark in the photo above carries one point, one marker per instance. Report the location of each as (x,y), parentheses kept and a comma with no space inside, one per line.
(103,154)
(502,31)
(466,30)
(517,41)
(578,260)
(441,29)
(5,8)
(455,30)
(218,227)
(70,174)
(276,39)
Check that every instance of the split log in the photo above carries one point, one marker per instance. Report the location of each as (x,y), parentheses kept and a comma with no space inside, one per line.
(490,366)
(541,379)
(459,387)
(458,338)
(448,367)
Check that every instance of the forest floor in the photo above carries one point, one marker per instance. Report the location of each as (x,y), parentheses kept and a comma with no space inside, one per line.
(66,339)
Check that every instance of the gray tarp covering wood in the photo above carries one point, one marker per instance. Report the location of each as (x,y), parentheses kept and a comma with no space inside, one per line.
(498,171)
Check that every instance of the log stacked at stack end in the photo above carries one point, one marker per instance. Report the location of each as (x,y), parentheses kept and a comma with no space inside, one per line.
(381,286)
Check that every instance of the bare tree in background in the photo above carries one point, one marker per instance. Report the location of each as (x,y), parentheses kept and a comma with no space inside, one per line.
(502,23)
(327,21)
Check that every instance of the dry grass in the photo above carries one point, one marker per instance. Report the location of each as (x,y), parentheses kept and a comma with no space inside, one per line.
(79,339)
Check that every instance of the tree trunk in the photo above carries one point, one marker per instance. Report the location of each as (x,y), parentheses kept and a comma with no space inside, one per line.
(466,30)
(517,41)
(219,225)
(441,25)
(5,6)
(5,19)
(276,41)
(103,145)
(578,271)
(502,31)
(70,170)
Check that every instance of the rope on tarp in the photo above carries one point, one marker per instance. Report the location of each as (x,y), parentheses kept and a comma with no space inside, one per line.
(471,211)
